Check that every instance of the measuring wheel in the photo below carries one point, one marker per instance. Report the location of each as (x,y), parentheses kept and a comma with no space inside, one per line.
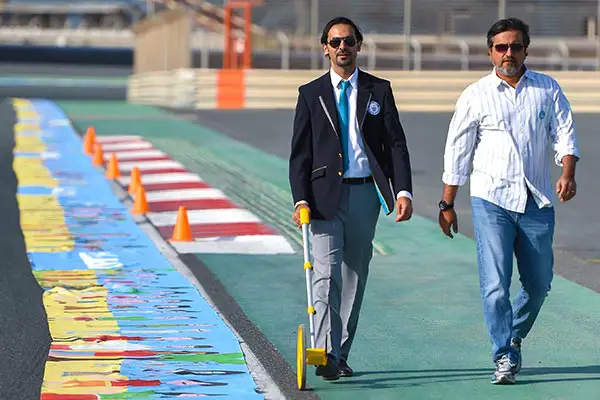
(310,355)
(301,358)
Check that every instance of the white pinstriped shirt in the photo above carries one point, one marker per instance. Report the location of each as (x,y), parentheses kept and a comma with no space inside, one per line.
(499,136)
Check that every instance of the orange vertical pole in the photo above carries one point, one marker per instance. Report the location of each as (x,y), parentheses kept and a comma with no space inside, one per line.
(248,34)
(234,54)
(228,37)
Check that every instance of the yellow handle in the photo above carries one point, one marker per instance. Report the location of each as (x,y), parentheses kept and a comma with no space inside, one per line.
(304,216)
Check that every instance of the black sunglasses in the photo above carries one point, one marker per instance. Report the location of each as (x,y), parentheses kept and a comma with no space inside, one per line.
(337,41)
(503,48)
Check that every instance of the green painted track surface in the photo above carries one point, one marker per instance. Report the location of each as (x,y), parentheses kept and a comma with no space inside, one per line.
(421,333)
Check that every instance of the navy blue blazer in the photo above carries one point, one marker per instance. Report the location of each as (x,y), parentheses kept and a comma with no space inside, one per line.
(315,166)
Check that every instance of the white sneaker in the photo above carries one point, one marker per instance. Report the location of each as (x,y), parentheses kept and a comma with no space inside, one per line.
(504,375)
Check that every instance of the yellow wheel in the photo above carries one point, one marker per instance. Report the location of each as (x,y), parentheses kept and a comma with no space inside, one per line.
(301,358)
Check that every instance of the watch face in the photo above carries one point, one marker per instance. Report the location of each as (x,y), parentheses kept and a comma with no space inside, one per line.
(444,206)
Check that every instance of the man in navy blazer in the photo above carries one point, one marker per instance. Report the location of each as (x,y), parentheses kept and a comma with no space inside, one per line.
(348,160)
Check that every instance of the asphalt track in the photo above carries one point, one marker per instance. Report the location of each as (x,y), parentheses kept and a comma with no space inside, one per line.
(64,70)
(577,249)
(69,92)
(24,334)
(63,82)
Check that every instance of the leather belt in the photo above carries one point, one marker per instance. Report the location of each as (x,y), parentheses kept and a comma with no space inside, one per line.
(358,181)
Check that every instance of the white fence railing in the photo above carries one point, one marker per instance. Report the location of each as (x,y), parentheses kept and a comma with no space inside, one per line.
(457,53)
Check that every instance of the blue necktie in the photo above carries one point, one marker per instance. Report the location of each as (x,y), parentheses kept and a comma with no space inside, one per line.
(344,119)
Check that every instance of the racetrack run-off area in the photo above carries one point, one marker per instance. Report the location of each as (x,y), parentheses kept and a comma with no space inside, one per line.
(421,333)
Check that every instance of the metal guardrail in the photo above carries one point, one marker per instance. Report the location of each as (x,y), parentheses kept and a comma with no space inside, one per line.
(558,51)
(461,52)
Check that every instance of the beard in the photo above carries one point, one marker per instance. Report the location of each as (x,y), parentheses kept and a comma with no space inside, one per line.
(508,70)
(344,62)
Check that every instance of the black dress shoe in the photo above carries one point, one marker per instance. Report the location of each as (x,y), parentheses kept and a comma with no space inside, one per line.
(345,369)
(330,371)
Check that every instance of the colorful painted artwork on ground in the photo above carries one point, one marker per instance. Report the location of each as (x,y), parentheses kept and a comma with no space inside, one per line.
(125,323)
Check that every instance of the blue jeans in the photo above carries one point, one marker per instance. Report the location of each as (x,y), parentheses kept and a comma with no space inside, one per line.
(500,233)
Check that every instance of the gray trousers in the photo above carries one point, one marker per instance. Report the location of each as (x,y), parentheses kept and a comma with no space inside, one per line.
(342,248)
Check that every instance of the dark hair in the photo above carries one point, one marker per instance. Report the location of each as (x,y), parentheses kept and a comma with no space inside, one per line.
(342,21)
(508,24)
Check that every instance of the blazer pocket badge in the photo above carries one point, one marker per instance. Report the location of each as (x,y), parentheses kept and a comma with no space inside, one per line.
(374,108)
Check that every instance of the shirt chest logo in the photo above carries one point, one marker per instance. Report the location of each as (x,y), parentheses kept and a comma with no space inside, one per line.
(374,108)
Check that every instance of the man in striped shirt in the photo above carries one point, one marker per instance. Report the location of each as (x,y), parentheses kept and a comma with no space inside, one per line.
(499,136)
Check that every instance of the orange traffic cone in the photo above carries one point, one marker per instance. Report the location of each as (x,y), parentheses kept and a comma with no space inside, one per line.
(89,140)
(98,155)
(112,172)
(182,231)
(134,180)
(140,205)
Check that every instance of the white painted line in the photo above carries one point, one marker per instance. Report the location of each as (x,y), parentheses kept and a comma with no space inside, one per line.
(134,155)
(149,165)
(252,244)
(117,138)
(174,177)
(184,194)
(198,217)
(140,145)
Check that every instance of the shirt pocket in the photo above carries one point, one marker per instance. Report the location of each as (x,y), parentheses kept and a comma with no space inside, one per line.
(492,123)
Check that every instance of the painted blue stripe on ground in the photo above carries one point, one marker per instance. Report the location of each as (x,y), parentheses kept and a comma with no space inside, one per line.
(166,303)
(35,190)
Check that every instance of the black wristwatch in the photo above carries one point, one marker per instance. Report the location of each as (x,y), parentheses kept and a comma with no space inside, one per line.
(445,206)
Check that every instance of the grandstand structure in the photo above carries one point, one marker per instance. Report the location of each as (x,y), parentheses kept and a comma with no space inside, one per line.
(558,18)
(434,34)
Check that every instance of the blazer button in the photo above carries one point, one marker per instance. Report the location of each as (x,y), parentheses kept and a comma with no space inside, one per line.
(340,155)
(340,173)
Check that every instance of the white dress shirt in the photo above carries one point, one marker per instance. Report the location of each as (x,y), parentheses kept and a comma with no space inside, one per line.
(499,136)
(357,157)
(358,163)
